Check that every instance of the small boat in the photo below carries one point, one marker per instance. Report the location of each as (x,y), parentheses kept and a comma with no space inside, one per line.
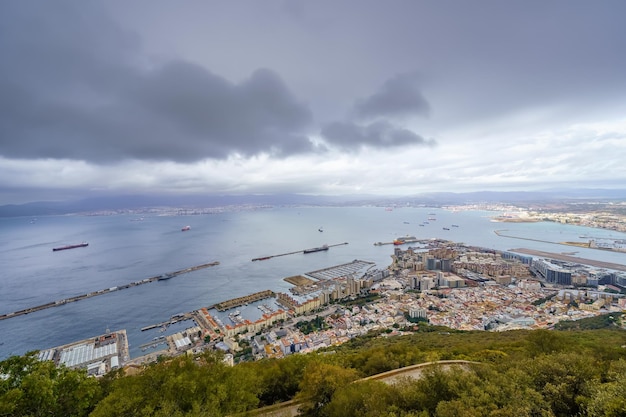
(184,229)
(445,228)
(320,229)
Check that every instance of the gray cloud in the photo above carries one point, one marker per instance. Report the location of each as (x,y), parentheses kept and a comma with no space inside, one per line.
(137,83)
(67,91)
(398,96)
(380,134)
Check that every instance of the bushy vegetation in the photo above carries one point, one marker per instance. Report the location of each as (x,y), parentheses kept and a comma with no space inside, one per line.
(311,326)
(519,373)
(601,321)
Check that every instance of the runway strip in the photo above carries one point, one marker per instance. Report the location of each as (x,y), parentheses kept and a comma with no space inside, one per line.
(568,258)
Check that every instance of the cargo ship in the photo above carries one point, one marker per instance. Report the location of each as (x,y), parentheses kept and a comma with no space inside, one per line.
(166,276)
(321,248)
(405,239)
(80,245)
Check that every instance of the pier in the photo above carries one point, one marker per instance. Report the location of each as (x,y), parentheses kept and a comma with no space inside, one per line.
(239,301)
(403,241)
(264,258)
(340,270)
(105,291)
(172,320)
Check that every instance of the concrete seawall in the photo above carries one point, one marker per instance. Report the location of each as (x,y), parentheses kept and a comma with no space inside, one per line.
(104,291)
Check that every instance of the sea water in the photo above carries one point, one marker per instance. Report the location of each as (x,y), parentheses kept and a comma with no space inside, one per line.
(125,247)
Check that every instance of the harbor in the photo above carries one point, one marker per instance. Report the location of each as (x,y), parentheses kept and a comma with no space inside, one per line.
(239,301)
(305,251)
(164,325)
(105,291)
(342,270)
(34,274)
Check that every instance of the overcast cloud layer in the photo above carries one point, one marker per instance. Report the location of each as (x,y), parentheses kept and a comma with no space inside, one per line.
(309,97)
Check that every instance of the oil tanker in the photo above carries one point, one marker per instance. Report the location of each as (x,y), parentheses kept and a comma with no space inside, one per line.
(80,245)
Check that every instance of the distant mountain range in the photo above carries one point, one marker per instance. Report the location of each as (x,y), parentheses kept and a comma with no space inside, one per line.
(134,202)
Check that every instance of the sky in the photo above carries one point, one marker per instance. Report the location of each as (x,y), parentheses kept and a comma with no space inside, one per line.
(320,98)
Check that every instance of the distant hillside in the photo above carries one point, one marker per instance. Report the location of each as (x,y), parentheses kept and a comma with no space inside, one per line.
(129,202)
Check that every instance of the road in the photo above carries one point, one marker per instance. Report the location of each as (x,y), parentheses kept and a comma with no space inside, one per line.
(290,408)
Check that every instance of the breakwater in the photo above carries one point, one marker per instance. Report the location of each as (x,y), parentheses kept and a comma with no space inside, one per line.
(174,319)
(239,301)
(105,291)
(264,258)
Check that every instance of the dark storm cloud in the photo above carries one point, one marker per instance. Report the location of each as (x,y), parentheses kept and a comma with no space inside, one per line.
(380,134)
(219,117)
(399,96)
(70,88)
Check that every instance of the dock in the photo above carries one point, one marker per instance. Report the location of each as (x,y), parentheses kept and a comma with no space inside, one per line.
(342,270)
(403,241)
(264,258)
(172,320)
(105,291)
(239,301)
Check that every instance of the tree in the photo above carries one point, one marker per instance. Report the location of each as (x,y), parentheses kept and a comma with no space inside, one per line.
(609,398)
(545,342)
(183,386)
(564,380)
(366,398)
(280,379)
(30,387)
(319,383)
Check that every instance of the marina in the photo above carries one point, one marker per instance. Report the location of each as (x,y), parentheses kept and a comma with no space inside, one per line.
(164,325)
(239,301)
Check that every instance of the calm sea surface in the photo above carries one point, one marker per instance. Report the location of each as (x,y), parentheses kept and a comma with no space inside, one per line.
(122,250)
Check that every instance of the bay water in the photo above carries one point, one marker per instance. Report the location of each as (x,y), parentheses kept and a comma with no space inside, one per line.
(124,248)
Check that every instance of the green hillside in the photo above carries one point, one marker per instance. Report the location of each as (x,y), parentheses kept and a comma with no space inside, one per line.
(521,373)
